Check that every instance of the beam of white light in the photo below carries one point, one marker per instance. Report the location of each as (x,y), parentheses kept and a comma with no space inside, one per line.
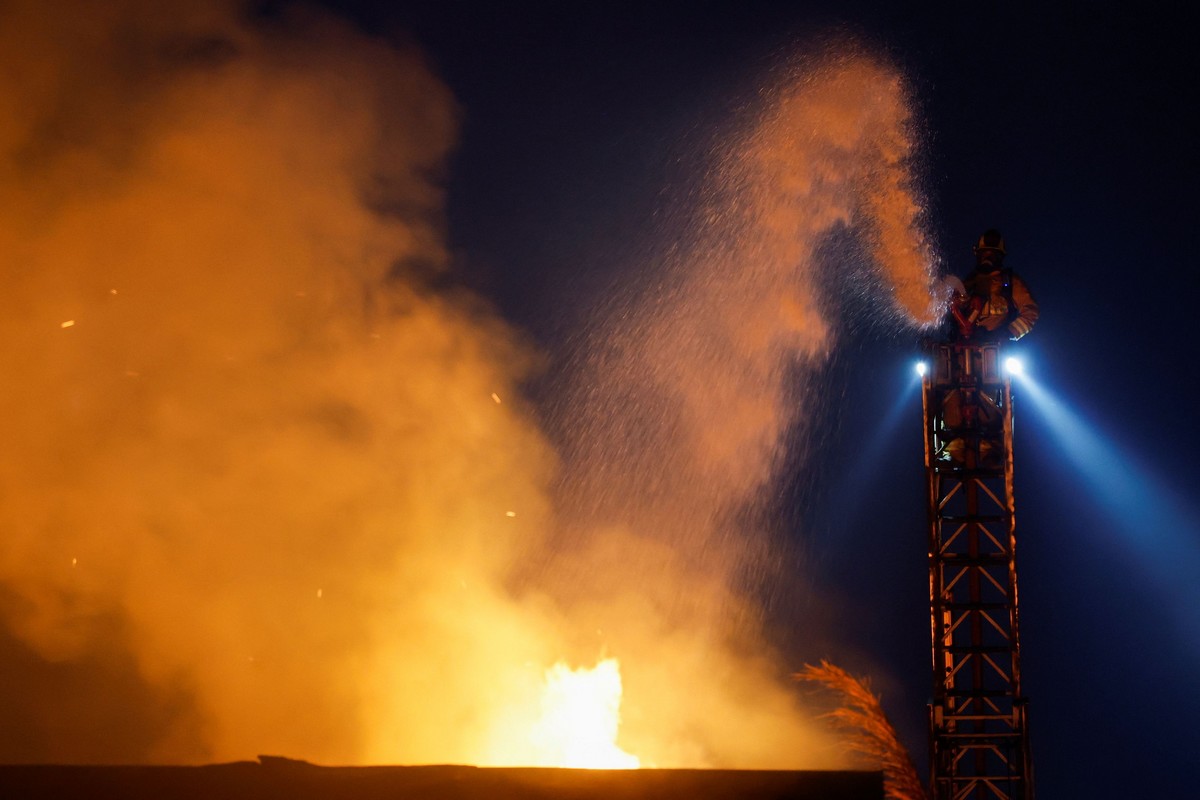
(1014,366)
(868,455)
(921,368)
(901,406)
(1158,526)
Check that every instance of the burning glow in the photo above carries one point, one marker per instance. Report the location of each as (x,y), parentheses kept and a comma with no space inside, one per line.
(581,712)
(569,719)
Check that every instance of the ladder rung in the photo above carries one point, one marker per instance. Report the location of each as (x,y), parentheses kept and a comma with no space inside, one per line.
(969,518)
(977,649)
(968,560)
(982,738)
(978,692)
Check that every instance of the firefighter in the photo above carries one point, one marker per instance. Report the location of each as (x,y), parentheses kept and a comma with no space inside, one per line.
(992,304)
(995,304)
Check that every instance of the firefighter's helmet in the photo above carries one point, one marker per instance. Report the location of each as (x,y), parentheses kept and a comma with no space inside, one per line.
(991,240)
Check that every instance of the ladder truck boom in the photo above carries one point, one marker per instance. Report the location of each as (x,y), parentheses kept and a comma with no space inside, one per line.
(979,745)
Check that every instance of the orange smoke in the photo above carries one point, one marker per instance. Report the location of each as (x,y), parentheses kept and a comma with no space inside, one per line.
(260,484)
(265,490)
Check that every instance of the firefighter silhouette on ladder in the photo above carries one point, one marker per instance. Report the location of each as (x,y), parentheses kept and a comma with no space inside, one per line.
(990,306)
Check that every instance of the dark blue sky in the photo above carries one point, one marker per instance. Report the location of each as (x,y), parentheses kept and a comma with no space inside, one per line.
(1065,128)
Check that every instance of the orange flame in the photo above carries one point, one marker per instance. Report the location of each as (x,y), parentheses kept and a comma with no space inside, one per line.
(571,720)
(581,713)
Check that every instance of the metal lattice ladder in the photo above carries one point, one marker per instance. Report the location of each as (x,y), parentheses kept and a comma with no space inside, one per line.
(979,746)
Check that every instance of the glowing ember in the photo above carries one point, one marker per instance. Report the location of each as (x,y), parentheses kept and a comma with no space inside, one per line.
(581,711)
(68,324)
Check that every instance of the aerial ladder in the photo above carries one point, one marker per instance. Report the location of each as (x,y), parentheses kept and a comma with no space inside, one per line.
(979,744)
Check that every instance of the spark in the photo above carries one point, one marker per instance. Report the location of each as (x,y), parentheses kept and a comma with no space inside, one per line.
(510,513)
(68,324)
(319,593)
(496,397)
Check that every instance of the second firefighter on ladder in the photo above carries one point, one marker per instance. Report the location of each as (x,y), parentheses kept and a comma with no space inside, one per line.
(991,305)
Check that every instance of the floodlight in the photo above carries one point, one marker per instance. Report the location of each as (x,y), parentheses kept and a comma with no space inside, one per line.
(921,368)
(1013,366)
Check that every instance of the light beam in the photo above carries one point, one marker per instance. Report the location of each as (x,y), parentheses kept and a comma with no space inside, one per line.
(1157,525)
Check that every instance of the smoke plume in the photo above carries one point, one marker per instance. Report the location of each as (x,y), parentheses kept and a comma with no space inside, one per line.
(266,487)
(250,459)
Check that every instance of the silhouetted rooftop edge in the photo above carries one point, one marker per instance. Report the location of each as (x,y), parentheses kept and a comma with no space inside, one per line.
(275,776)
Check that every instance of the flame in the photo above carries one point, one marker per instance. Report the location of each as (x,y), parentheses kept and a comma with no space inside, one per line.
(580,715)
(570,718)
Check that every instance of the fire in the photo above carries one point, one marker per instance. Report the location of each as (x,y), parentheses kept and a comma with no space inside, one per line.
(569,719)
(580,715)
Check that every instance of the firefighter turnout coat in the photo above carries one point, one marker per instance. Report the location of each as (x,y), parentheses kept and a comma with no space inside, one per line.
(1008,309)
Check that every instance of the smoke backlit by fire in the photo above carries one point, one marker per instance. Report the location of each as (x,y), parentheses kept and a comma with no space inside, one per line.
(266,489)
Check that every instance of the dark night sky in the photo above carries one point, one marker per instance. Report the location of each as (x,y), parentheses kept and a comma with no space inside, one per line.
(583,129)
(1066,129)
